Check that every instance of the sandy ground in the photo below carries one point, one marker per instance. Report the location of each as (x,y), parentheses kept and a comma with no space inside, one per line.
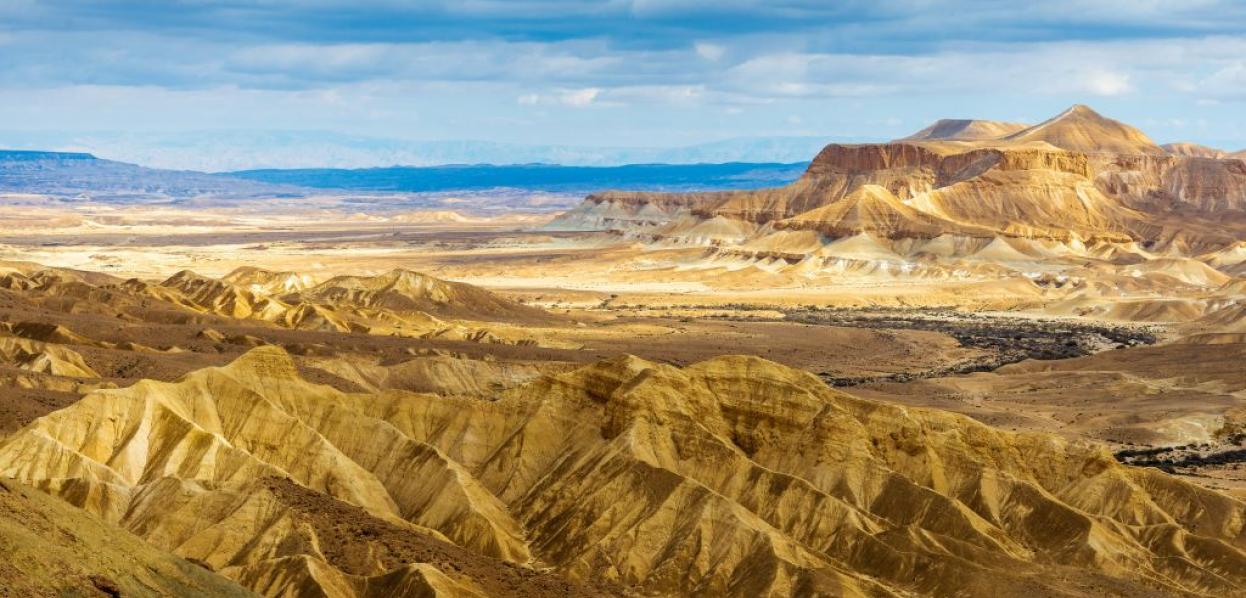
(503,254)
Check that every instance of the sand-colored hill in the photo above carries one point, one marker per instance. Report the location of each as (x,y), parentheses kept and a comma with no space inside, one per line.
(399,302)
(1194,150)
(291,297)
(49,548)
(1081,129)
(956,129)
(44,358)
(732,477)
(404,290)
(223,298)
(442,374)
(269,282)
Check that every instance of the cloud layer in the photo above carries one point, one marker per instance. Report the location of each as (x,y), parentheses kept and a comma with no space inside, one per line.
(617,72)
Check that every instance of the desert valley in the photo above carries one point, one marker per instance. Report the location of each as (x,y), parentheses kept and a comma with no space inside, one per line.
(986,359)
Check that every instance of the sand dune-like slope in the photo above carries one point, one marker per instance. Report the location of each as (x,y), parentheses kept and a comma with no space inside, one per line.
(1081,129)
(956,129)
(49,548)
(1042,193)
(731,477)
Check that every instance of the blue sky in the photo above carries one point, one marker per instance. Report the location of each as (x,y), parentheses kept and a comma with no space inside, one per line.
(616,72)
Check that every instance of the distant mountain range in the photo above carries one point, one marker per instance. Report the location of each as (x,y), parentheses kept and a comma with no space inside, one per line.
(84,176)
(544,177)
(217,151)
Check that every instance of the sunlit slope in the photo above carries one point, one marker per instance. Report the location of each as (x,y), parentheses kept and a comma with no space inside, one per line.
(1082,129)
(734,476)
(956,129)
(49,548)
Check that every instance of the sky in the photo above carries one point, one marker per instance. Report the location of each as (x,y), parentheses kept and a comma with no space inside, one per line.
(643,73)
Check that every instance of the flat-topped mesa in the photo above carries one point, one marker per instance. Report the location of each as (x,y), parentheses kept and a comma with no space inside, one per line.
(903,169)
(935,189)
(34,155)
(1076,177)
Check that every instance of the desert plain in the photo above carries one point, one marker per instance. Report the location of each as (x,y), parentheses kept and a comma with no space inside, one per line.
(987,359)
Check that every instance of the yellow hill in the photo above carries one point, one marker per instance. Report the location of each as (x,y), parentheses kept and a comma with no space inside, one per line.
(1082,129)
(731,477)
(954,129)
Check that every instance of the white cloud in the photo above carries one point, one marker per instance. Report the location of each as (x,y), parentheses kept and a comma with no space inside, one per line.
(708,51)
(662,94)
(580,97)
(845,77)
(1107,83)
(1229,81)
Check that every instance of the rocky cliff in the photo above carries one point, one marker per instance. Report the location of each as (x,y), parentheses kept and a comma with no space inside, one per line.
(1078,177)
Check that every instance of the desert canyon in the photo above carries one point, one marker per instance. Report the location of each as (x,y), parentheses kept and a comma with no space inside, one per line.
(987,359)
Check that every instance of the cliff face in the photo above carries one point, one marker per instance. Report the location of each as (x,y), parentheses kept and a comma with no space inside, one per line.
(1078,176)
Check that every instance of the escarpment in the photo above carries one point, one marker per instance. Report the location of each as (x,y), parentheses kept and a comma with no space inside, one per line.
(1079,177)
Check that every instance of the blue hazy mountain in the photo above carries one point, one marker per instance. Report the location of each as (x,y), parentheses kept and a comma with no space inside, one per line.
(78,175)
(83,176)
(544,177)
(219,151)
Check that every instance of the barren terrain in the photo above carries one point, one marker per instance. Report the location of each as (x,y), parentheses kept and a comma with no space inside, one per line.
(988,359)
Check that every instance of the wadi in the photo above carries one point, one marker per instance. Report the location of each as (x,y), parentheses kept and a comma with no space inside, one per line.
(984,359)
